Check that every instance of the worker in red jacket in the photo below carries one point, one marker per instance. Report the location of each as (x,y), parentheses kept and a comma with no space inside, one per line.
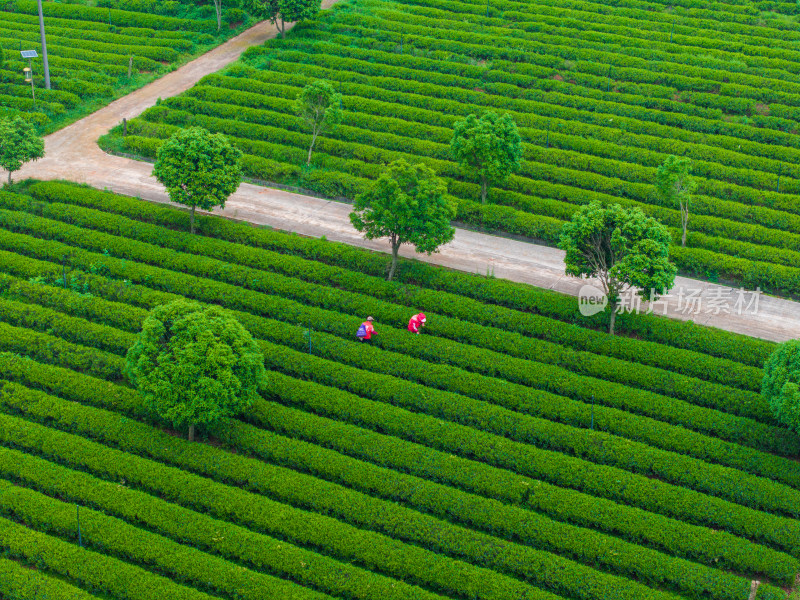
(365,330)
(416,323)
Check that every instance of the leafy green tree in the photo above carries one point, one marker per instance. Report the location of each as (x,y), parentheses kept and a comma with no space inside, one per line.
(675,186)
(623,248)
(319,106)
(195,365)
(489,148)
(781,384)
(281,12)
(261,9)
(407,204)
(19,143)
(295,11)
(198,168)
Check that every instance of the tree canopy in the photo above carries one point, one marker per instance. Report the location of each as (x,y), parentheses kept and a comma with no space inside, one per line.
(198,168)
(623,248)
(781,384)
(195,365)
(489,148)
(319,106)
(281,12)
(407,204)
(19,143)
(675,186)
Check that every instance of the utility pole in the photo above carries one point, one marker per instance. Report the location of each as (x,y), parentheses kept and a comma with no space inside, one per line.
(44,48)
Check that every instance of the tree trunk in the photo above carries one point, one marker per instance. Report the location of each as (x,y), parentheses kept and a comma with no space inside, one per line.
(282,27)
(484,189)
(684,223)
(191,432)
(218,6)
(395,249)
(191,221)
(613,319)
(311,148)
(9,178)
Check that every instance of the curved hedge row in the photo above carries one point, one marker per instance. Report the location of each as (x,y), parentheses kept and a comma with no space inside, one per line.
(344,541)
(713,548)
(598,480)
(120,18)
(667,333)
(226,435)
(212,535)
(526,459)
(697,392)
(533,565)
(101,574)
(509,368)
(543,434)
(183,564)
(18,582)
(472,358)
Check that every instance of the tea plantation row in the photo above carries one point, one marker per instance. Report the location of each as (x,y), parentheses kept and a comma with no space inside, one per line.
(466,462)
(97,53)
(601,97)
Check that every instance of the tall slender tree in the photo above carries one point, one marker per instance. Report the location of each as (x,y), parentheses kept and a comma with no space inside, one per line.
(675,185)
(319,106)
(218,11)
(489,148)
(19,143)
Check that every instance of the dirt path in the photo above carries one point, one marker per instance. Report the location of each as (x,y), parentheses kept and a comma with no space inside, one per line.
(73,154)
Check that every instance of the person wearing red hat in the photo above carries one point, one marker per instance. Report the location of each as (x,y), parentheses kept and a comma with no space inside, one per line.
(366,330)
(416,323)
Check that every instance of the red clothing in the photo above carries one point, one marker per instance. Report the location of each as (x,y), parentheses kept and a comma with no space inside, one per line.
(416,323)
(369,329)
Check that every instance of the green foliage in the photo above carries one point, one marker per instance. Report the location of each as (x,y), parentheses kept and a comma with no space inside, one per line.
(299,10)
(781,385)
(195,365)
(19,143)
(406,204)
(260,9)
(489,148)
(681,347)
(471,452)
(320,107)
(20,583)
(91,570)
(403,458)
(675,186)
(280,12)
(352,508)
(622,248)
(199,169)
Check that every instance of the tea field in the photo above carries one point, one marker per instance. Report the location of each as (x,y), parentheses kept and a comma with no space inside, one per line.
(98,51)
(602,93)
(511,452)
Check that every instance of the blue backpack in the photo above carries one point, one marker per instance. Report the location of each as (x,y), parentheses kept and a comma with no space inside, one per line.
(362,331)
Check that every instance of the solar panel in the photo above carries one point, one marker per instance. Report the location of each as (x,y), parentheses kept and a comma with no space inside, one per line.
(29,54)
